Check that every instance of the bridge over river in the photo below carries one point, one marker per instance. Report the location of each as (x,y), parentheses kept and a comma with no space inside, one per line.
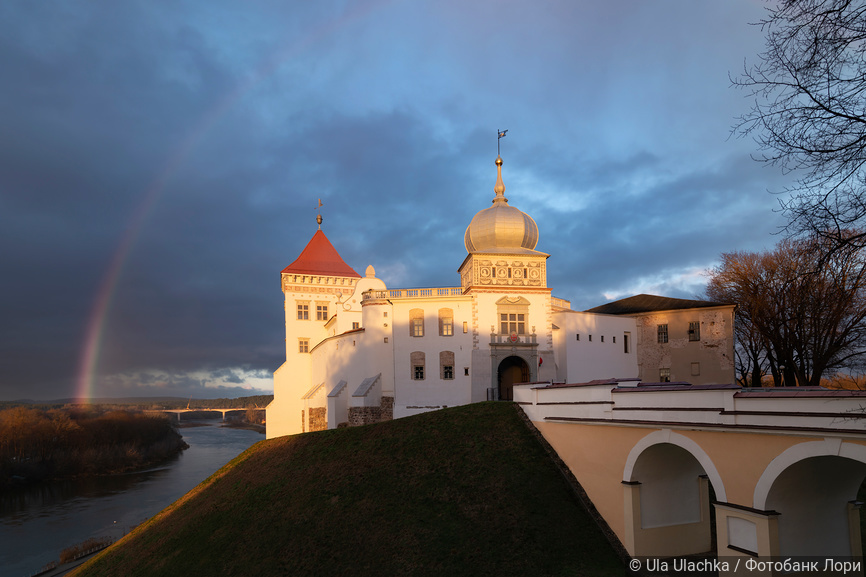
(784,465)
(223,410)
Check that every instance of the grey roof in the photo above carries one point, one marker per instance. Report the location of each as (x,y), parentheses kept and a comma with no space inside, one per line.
(338,389)
(650,303)
(366,385)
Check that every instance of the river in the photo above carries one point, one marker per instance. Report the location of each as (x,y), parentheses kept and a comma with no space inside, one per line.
(36,523)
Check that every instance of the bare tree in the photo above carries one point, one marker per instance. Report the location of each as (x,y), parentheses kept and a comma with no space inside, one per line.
(809,112)
(802,310)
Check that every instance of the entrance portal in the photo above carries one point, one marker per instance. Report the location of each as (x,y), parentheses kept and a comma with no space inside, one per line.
(511,370)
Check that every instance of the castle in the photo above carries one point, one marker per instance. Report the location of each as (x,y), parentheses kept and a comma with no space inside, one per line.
(357,352)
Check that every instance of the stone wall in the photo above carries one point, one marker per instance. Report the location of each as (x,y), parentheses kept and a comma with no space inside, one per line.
(366,415)
(387,406)
(318,418)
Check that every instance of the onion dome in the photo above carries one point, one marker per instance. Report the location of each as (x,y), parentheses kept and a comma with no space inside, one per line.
(501,228)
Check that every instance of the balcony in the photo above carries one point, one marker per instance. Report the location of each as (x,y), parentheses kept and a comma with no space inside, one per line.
(413,293)
(560,303)
(513,339)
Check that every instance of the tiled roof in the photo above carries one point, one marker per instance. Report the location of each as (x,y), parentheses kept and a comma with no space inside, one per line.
(321,258)
(649,303)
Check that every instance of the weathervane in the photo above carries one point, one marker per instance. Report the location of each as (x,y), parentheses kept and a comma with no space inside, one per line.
(319,215)
(500,134)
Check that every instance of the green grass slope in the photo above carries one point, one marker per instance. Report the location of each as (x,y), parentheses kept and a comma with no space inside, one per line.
(461,491)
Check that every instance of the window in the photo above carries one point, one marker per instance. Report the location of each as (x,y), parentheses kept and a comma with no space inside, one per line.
(577,336)
(416,323)
(465,327)
(664,375)
(695,331)
(626,337)
(321,311)
(466,371)
(446,365)
(303,311)
(614,340)
(602,338)
(696,369)
(512,323)
(663,333)
(303,345)
(446,322)
(590,338)
(356,326)
(416,361)
(513,315)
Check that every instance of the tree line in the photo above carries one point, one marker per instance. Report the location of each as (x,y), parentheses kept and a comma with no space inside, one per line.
(801,313)
(45,444)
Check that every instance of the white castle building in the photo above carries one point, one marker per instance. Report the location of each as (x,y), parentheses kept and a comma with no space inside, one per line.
(357,352)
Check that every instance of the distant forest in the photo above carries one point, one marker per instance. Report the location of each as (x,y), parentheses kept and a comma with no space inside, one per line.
(41,444)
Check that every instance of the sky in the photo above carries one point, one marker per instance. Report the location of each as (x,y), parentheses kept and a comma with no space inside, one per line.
(162,162)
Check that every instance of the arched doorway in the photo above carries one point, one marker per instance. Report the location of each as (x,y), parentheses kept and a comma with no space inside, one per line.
(511,370)
(812,497)
(667,497)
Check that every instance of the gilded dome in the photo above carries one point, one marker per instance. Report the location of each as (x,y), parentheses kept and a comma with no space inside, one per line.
(501,228)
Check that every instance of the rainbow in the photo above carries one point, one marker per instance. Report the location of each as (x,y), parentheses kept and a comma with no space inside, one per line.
(85,381)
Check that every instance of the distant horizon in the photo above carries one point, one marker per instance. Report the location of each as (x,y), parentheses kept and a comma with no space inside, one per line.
(100,400)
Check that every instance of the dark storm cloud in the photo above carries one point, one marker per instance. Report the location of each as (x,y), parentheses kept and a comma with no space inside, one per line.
(205,133)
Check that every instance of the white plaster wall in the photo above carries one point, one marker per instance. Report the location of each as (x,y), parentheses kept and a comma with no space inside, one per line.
(338,408)
(539,315)
(584,360)
(350,357)
(432,392)
(378,319)
(283,414)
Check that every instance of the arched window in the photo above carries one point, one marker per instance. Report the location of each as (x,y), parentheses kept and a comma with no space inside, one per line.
(446,322)
(416,365)
(446,365)
(416,323)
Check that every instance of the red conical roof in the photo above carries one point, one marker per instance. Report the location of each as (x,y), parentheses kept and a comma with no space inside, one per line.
(321,258)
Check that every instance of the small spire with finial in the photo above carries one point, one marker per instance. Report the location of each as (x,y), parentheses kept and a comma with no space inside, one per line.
(319,215)
(499,189)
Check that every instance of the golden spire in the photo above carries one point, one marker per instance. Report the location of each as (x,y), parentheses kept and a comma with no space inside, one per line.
(499,189)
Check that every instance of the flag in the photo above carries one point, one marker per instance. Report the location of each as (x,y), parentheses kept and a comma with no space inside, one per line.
(320,203)
(502,134)
(540,360)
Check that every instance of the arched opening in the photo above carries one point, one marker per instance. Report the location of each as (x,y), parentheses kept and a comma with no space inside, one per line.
(668,494)
(511,370)
(812,497)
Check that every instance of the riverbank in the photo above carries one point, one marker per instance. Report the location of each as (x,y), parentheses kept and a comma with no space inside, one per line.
(43,445)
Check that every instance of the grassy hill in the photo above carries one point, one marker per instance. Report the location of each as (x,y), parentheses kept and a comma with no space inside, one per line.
(461,491)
